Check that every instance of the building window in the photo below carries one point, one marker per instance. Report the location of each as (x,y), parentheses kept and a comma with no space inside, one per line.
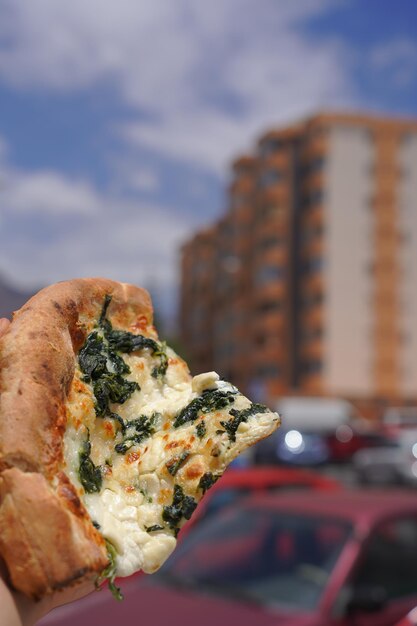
(268,274)
(271,211)
(268,370)
(269,177)
(313,265)
(317,165)
(270,242)
(269,146)
(261,339)
(311,334)
(314,198)
(313,366)
(269,306)
(311,300)
(238,200)
(310,233)
(314,166)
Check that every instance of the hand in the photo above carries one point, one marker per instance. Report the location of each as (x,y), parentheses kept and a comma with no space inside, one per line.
(4,325)
(18,610)
(15,608)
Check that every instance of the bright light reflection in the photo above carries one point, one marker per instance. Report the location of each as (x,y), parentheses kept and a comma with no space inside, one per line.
(344,433)
(294,441)
(414,450)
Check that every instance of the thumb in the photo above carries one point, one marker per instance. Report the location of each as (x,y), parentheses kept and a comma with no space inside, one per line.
(4,325)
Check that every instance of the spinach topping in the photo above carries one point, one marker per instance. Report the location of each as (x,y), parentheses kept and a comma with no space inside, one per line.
(154,528)
(160,370)
(126,342)
(201,429)
(90,475)
(119,420)
(207,480)
(102,321)
(111,388)
(176,462)
(92,357)
(108,386)
(143,427)
(109,572)
(182,506)
(104,367)
(238,417)
(210,400)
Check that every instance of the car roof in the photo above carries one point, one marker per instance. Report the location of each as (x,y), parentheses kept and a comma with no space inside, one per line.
(359,506)
(264,477)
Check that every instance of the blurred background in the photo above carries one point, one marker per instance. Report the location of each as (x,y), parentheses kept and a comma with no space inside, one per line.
(254,165)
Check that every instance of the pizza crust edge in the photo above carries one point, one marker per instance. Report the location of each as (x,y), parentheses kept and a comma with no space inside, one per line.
(37,361)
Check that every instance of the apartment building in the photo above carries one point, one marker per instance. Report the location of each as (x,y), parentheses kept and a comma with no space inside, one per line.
(308,283)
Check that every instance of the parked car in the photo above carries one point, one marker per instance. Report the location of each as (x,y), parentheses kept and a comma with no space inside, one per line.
(316,431)
(237,483)
(397,419)
(409,620)
(309,558)
(310,448)
(393,463)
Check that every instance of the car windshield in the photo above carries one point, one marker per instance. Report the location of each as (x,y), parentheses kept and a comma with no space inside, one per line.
(262,555)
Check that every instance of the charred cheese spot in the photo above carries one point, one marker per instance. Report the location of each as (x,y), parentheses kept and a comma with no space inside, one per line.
(175,444)
(140,324)
(193,471)
(165,496)
(132,457)
(109,429)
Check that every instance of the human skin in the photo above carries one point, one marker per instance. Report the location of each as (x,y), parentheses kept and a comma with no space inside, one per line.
(17,609)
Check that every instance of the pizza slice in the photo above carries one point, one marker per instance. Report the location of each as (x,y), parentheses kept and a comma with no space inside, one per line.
(107,443)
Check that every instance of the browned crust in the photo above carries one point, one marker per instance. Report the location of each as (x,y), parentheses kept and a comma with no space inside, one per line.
(46,537)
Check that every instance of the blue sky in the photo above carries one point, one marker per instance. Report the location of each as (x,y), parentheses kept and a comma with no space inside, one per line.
(118,120)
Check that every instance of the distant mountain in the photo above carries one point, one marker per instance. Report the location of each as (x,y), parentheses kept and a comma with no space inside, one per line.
(10,298)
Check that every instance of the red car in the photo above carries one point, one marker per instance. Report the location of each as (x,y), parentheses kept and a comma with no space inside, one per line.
(410,619)
(309,558)
(236,483)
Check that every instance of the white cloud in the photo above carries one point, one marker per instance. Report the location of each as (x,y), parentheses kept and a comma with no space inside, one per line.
(397,59)
(46,192)
(106,235)
(142,179)
(211,75)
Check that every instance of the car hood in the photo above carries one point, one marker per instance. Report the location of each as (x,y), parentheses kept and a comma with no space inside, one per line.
(147,602)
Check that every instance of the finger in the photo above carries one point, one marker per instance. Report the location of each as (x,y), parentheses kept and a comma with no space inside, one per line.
(4,325)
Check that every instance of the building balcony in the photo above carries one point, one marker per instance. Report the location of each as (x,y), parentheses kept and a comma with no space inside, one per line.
(275,289)
(279,159)
(313,248)
(313,216)
(278,256)
(311,318)
(312,349)
(277,193)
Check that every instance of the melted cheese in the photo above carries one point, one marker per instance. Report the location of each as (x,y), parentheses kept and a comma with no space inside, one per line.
(138,484)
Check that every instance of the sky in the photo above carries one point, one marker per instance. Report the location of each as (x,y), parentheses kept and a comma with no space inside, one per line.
(119,120)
